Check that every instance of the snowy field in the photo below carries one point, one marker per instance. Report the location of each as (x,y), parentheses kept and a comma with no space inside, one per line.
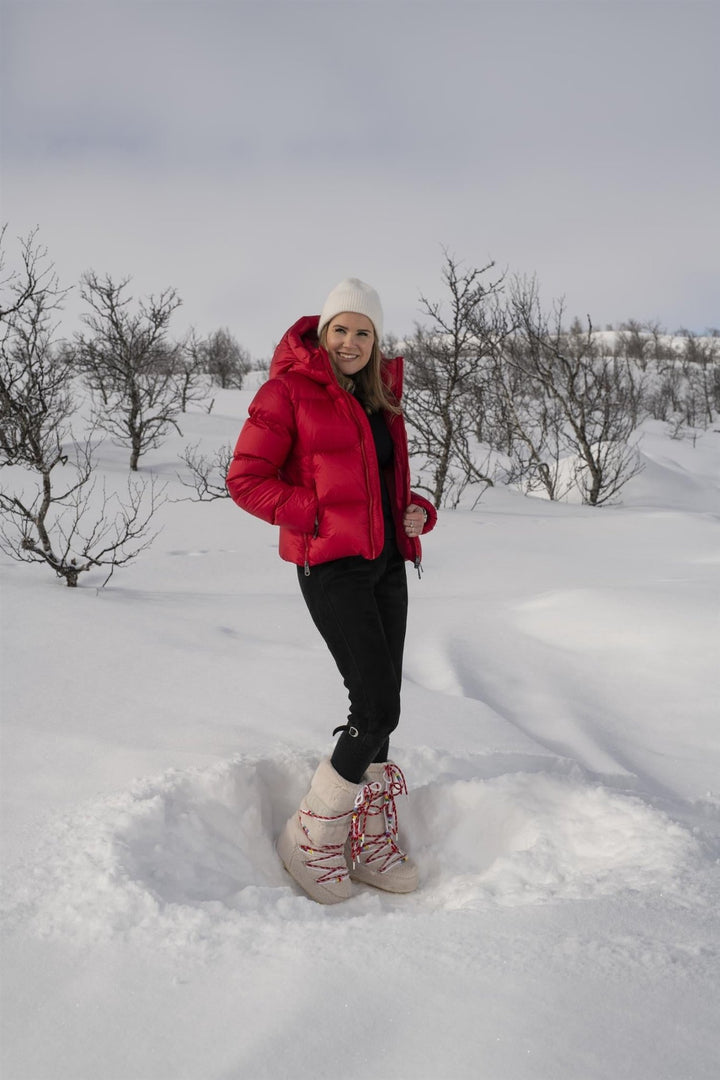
(561,742)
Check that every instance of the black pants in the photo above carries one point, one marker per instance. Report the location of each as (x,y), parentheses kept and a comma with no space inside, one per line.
(360,608)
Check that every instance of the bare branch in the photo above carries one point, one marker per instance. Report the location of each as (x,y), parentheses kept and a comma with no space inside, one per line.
(207,474)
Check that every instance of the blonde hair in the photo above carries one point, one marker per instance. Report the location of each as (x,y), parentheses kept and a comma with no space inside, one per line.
(368,385)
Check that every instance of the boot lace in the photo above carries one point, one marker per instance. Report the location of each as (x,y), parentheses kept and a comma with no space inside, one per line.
(327,860)
(373,799)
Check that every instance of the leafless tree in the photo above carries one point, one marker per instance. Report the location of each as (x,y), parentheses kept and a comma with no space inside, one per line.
(701,371)
(187,367)
(645,343)
(224,359)
(34,278)
(446,363)
(129,363)
(591,394)
(681,374)
(81,526)
(50,509)
(524,426)
(635,342)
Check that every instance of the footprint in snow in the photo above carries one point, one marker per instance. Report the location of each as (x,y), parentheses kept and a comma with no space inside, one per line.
(191,853)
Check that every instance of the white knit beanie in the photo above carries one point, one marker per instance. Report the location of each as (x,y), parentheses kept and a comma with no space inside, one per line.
(353,295)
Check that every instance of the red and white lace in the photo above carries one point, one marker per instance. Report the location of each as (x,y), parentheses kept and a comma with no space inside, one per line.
(378,849)
(327,859)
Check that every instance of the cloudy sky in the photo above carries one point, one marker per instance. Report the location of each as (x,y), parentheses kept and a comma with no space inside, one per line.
(251,154)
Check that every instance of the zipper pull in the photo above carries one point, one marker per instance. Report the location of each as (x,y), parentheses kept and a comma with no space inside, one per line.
(418,566)
(307,569)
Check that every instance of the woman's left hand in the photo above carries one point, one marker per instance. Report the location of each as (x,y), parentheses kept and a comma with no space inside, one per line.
(414,519)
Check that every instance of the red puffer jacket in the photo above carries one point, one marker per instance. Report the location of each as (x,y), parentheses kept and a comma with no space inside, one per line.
(305,460)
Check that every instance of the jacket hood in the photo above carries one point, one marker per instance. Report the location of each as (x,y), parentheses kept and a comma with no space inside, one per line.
(300,352)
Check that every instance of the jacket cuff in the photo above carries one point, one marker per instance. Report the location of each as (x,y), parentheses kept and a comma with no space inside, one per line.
(429,509)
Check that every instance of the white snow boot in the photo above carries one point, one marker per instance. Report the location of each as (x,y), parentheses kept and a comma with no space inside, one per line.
(373,851)
(312,843)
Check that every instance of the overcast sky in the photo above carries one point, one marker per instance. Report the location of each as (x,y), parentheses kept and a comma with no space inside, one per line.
(253,154)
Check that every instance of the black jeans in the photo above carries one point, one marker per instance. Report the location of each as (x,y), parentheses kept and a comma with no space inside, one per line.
(360,608)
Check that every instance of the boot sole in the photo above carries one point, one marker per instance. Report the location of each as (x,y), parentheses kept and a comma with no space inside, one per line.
(378,881)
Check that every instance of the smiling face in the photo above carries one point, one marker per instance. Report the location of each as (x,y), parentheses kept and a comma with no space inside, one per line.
(349,341)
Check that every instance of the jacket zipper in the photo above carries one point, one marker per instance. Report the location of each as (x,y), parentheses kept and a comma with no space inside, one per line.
(316,530)
(368,478)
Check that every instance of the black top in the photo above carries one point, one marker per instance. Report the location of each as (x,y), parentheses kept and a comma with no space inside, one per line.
(385,453)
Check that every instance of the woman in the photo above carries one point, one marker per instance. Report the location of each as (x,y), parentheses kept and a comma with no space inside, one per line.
(324,456)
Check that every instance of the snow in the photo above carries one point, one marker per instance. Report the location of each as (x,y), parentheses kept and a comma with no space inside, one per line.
(561,744)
